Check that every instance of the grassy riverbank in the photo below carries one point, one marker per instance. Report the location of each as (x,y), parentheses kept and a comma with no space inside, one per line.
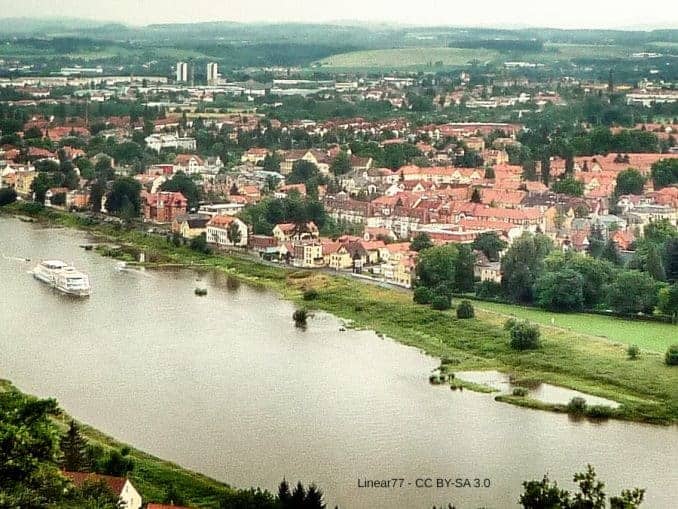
(646,388)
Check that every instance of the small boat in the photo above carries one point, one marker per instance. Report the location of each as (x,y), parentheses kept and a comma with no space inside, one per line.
(63,277)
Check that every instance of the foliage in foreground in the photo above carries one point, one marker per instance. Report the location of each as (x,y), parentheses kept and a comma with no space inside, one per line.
(33,453)
(545,494)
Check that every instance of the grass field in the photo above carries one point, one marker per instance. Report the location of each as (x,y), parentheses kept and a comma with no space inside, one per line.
(558,51)
(408,58)
(653,336)
(404,58)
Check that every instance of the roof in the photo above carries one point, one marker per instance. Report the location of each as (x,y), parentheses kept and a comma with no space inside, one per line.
(167,198)
(79,478)
(221,220)
(185,159)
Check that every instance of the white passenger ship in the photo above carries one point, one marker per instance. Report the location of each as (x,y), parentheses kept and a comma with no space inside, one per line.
(63,277)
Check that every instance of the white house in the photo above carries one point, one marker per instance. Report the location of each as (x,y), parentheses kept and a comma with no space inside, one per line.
(158,142)
(217,231)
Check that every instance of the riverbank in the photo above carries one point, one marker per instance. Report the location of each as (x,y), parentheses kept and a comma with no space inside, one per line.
(646,389)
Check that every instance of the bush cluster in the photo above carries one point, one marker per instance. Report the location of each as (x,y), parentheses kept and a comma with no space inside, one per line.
(465,310)
(524,335)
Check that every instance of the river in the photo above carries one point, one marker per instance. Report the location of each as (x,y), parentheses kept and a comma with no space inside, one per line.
(226,385)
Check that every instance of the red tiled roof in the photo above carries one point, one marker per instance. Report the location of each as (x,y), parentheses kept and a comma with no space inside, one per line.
(79,478)
(167,198)
(221,221)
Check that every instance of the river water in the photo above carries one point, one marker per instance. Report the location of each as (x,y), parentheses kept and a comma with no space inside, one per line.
(226,385)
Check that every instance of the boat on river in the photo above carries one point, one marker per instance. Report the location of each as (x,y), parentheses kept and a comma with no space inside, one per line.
(63,277)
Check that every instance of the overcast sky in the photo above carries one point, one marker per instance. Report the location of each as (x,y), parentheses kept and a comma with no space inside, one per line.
(544,13)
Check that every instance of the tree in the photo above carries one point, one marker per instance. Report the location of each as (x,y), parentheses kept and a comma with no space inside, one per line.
(475,196)
(341,163)
(29,476)
(40,185)
(664,173)
(314,498)
(298,496)
(271,162)
(632,292)
(596,274)
(116,463)
(441,302)
(73,448)
(284,495)
(524,336)
(546,170)
(124,200)
(465,310)
(671,259)
(422,295)
(568,186)
(302,171)
(199,244)
(490,244)
(7,196)
(569,165)
(522,264)
(671,357)
(420,242)
(489,173)
(182,183)
(445,269)
(96,194)
(668,301)
(629,182)
(654,264)
(611,253)
(560,291)
(93,494)
(463,269)
(530,171)
(233,233)
(547,495)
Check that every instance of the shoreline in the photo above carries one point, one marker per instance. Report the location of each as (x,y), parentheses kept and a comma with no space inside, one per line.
(568,359)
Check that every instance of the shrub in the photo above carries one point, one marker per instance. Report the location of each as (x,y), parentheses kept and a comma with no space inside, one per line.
(488,290)
(445,288)
(577,406)
(465,310)
(672,356)
(525,336)
(599,412)
(310,294)
(510,323)
(434,379)
(520,391)
(441,302)
(300,316)
(633,352)
(7,196)
(422,295)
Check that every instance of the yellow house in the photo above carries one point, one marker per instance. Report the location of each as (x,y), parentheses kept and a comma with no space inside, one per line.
(24,179)
(341,259)
(404,271)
